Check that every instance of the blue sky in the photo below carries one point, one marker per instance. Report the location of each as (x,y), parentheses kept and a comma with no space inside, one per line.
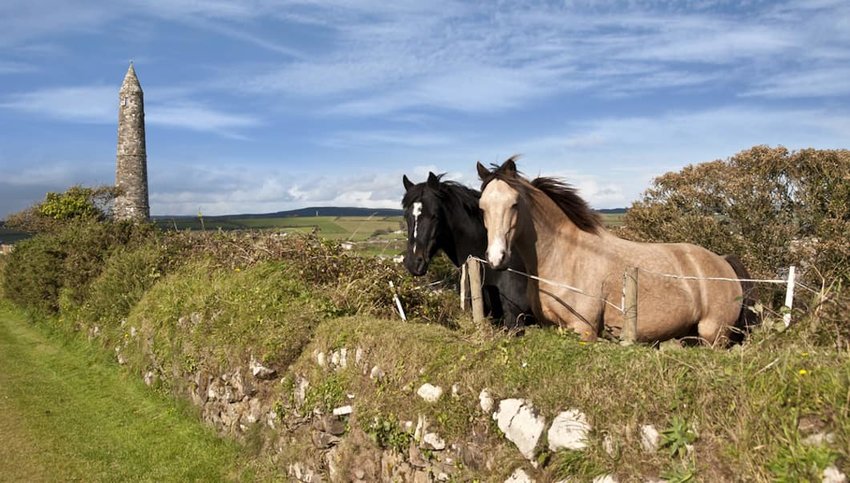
(260,106)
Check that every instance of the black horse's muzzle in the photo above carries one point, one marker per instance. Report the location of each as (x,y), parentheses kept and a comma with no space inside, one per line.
(417,265)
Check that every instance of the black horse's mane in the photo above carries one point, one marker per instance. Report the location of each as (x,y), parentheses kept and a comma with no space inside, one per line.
(564,195)
(446,191)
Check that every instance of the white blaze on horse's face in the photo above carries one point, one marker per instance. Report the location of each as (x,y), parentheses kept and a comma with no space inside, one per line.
(499,204)
(417,210)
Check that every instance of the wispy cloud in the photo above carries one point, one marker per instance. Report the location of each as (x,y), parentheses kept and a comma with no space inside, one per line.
(93,104)
(200,118)
(99,104)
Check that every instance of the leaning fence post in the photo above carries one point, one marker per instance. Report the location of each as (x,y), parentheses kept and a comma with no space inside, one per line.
(463,285)
(474,272)
(630,306)
(789,296)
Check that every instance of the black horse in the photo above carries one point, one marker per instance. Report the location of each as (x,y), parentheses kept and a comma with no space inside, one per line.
(444,215)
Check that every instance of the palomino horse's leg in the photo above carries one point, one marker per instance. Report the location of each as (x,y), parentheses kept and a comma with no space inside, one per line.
(713,333)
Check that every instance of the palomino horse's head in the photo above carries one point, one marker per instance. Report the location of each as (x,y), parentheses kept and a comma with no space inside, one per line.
(422,211)
(499,204)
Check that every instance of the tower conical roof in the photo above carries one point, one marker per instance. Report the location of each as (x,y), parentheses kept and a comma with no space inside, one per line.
(131,82)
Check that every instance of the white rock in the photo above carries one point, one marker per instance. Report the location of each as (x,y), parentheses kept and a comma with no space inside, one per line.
(335,358)
(833,475)
(521,425)
(343,358)
(455,389)
(569,430)
(260,371)
(421,427)
(649,438)
(519,476)
(133,332)
(605,479)
(358,356)
(343,410)
(376,373)
(301,385)
(485,400)
(434,441)
(609,446)
(149,378)
(819,439)
(321,360)
(429,392)
(302,473)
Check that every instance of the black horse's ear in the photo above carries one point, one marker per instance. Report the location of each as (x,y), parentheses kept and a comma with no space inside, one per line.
(483,172)
(407,183)
(433,180)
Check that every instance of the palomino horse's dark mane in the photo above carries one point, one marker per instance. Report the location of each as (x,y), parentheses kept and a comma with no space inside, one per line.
(450,192)
(564,195)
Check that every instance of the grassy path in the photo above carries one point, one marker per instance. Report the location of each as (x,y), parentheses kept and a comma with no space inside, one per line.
(67,414)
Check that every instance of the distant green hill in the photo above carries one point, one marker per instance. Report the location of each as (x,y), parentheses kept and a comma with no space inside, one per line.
(301,212)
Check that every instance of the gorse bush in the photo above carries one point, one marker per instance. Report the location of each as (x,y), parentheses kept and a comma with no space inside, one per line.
(61,264)
(770,206)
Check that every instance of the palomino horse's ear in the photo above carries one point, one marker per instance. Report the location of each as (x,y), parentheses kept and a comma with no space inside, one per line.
(407,183)
(508,167)
(433,180)
(483,172)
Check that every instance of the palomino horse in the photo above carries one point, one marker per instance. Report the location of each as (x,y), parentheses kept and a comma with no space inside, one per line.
(444,215)
(560,239)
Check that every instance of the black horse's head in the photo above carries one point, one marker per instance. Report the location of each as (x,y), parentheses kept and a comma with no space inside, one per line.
(423,213)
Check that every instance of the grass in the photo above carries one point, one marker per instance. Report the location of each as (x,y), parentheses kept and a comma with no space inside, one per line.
(67,414)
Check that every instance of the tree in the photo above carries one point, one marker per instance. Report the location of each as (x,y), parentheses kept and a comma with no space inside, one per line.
(76,204)
(770,206)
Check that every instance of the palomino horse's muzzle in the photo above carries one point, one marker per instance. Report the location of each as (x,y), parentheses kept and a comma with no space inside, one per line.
(498,256)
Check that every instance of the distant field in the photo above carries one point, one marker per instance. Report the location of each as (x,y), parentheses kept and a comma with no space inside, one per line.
(342,228)
(8,236)
(612,219)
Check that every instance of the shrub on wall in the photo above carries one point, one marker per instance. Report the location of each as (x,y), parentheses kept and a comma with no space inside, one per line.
(61,264)
(770,206)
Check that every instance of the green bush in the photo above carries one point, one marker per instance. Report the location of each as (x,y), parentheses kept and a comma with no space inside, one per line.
(32,275)
(126,276)
(62,264)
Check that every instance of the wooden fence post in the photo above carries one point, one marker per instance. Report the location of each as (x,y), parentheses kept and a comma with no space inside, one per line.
(474,272)
(463,284)
(630,306)
(789,296)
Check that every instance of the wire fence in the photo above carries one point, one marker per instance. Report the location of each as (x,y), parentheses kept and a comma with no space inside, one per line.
(791,283)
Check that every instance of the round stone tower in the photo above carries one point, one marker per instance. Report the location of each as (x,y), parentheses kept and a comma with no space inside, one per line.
(131,174)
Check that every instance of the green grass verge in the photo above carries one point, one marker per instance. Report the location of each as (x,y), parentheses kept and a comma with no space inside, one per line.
(67,414)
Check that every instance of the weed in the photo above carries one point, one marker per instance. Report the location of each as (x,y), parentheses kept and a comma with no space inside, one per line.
(678,436)
(387,433)
(800,463)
